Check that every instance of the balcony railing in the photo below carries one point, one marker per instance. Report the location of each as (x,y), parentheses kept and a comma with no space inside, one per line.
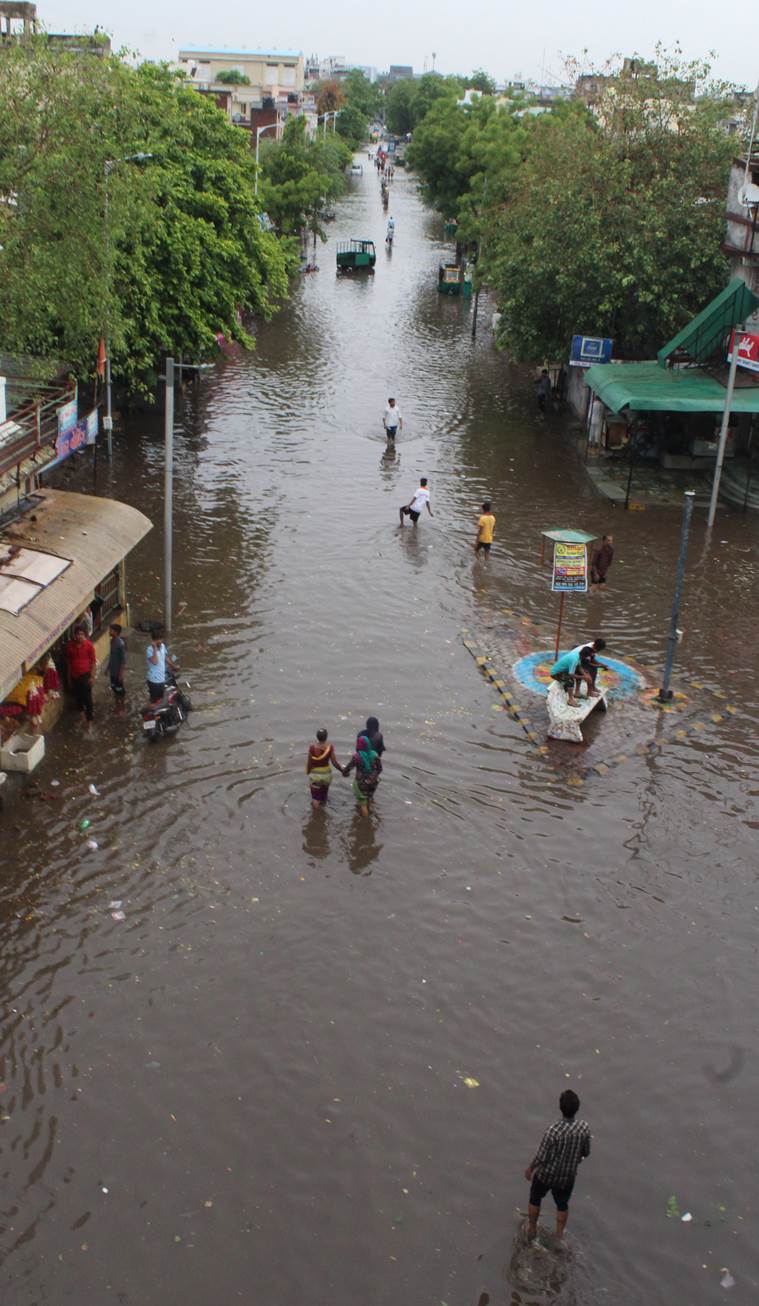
(33,425)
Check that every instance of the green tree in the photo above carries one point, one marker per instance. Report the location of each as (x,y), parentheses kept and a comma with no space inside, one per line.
(178,253)
(361,94)
(300,177)
(352,125)
(625,241)
(480,81)
(399,113)
(467,156)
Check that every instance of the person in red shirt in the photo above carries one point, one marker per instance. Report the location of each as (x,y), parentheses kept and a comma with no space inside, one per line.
(81,665)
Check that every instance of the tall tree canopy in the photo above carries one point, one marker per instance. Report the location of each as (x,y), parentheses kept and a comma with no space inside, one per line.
(158,253)
(615,219)
(301,176)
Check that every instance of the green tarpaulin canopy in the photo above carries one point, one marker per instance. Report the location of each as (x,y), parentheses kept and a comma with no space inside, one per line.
(705,336)
(646,387)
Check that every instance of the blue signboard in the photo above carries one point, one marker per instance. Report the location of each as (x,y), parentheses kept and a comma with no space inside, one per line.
(587,350)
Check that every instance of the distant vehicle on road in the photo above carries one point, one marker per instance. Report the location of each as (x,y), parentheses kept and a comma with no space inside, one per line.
(357,170)
(453,280)
(356,256)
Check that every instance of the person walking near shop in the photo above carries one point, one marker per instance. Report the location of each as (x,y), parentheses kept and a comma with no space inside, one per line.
(419,501)
(392,420)
(600,562)
(159,665)
(543,390)
(320,760)
(117,657)
(81,665)
(554,1169)
(485,529)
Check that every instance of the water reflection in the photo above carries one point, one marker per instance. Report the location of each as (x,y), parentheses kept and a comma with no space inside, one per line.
(361,845)
(316,835)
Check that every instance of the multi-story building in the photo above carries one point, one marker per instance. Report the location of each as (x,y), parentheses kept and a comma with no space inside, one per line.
(741,243)
(242,80)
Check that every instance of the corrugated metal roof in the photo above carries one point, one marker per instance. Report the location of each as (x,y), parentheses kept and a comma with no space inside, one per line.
(94,535)
(705,336)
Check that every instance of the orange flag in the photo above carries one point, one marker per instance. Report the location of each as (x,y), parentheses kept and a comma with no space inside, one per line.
(101,359)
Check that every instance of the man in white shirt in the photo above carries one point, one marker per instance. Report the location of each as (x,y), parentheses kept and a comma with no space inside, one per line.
(159,664)
(392,421)
(414,509)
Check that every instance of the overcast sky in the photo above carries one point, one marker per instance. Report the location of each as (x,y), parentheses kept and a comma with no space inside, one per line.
(505,37)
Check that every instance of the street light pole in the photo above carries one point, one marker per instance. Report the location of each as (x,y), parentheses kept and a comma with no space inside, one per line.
(259,133)
(723,430)
(108,167)
(665,693)
(168,495)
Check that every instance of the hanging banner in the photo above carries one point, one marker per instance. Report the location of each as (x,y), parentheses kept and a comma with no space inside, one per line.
(570,568)
(67,414)
(92,425)
(748,349)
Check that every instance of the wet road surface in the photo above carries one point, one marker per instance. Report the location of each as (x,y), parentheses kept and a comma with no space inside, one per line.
(254,1087)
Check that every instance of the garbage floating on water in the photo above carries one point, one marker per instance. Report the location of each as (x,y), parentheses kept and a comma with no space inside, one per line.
(92,844)
(118,915)
(727,1280)
(94,791)
(686,1218)
(116,904)
(673,1210)
(85,823)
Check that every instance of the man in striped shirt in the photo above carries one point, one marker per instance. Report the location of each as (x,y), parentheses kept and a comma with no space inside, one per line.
(554,1168)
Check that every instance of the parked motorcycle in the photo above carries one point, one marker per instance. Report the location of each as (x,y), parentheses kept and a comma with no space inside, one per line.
(165,716)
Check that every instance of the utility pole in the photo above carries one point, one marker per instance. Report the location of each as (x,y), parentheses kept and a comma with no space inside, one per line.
(168,477)
(724,429)
(168,496)
(665,693)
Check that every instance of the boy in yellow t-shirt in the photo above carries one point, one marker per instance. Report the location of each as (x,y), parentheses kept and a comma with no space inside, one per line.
(485,529)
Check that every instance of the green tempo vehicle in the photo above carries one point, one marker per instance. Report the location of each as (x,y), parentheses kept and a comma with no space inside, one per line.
(356,256)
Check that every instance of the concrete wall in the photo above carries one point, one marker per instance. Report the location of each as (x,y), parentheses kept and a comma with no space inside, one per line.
(578,394)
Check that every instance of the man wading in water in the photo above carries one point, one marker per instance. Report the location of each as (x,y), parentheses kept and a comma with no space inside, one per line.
(556,1162)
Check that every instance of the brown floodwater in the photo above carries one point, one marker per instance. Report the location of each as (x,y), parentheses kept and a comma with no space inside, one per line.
(253,1088)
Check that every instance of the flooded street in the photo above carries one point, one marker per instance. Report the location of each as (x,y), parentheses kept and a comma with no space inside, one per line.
(254,1087)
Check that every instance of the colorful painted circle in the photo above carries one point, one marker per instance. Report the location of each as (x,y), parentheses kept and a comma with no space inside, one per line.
(534,672)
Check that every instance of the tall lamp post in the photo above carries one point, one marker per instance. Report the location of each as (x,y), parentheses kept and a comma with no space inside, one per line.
(108,167)
(259,133)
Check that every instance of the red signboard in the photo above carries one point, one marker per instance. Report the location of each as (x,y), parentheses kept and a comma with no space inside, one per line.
(748,349)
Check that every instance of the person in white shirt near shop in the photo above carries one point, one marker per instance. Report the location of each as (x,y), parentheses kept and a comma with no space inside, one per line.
(419,501)
(392,421)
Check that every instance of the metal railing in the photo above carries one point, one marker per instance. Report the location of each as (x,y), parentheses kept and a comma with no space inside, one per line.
(33,426)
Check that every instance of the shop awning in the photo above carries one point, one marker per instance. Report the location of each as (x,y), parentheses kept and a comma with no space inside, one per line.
(705,336)
(646,387)
(93,535)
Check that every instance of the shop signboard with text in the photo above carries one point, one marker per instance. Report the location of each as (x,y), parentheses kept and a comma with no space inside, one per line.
(570,568)
(587,350)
